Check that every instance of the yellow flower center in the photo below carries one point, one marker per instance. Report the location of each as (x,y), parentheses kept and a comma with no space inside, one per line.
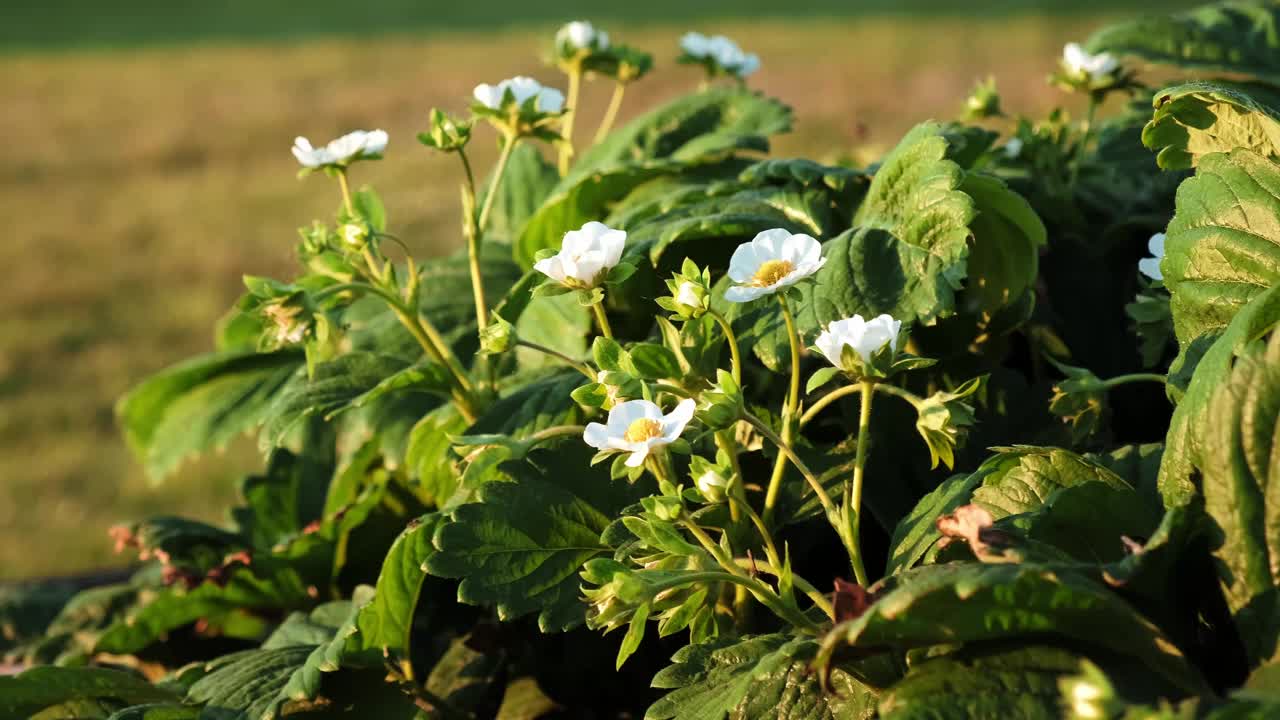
(642,429)
(771,271)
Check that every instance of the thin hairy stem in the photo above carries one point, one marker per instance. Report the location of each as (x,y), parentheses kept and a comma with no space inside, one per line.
(576,365)
(602,320)
(732,339)
(611,113)
(853,491)
(571,113)
(821,404)
(790,405)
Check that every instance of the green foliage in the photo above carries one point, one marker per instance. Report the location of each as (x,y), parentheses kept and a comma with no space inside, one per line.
(67,692)
(520,546)
(201,404)
(1237,37)
(1223,246)
(431,527)
(756,677)
(1200,118)
(906,254)
(1240,475)
(968,603)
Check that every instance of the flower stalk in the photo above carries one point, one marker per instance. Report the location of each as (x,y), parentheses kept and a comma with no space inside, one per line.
(853,490)
(611,112)
(566,125)
(789,408)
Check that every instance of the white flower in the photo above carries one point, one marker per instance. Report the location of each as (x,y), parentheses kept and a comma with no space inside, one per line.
(712,485)
(721,50)
(687,294)
(1150,266)
(582,35)
(775,259)
(1095,67)
(695,44)
(638,427)
(865,337)
(522,88)
(1013,148)
(352,146)
(585,256)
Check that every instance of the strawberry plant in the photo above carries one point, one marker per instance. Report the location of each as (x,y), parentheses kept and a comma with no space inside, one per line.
(988,429)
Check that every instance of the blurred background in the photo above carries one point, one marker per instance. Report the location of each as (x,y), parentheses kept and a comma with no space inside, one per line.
(146,167)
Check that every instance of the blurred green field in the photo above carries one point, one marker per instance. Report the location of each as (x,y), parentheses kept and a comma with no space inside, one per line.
(148,168)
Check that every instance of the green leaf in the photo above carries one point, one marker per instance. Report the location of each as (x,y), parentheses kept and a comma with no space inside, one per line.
(1223,244)
(757,677)
(558,323)
(906,254)
(916,533)
(536,406)
(820,377)
(1236,37)
(174,607)
(1200,118)
(691,129)
(369,206)
(527,181)
(384,625)
(521,545)
(1005,258)
(286,497)
(427,457)
(46,688)
(429,378)
(332,388)
(1010,484)
(1022,478)
(248,684)
(964,602)
(1020,683)
(200,404)
(465,677)
(654,362)
(1241,485)
(1185,443)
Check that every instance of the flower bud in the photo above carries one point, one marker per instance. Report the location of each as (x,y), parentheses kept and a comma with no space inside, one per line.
(446,133)
(354,235)
(690,292)
(289,318)
(712,485)
(497,337)
(983,102)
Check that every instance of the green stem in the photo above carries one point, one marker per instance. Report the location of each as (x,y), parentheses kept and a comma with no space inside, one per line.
(566,125)
(770,549)
(554,432)
(789,408)
(729,446)
(818,597)
(424,332)
(812,411)
(508,145)
(602,320)
(1084,140)
(907,395)
(1133,378)
(611,113)
(366,251)
(821,492)
(853,491)
(763,592)
(580,367)
(733,345)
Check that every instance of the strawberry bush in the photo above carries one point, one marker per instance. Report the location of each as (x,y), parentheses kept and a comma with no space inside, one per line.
(987,429)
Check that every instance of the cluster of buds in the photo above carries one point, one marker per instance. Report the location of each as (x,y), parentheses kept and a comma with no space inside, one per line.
(690,292)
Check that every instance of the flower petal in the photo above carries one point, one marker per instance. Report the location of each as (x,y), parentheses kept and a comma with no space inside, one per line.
(746,293)
(637,457)
(674,422)
(596,435)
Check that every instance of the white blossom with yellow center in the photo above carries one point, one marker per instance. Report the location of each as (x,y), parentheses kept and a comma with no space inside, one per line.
(774,260)
(639,427)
